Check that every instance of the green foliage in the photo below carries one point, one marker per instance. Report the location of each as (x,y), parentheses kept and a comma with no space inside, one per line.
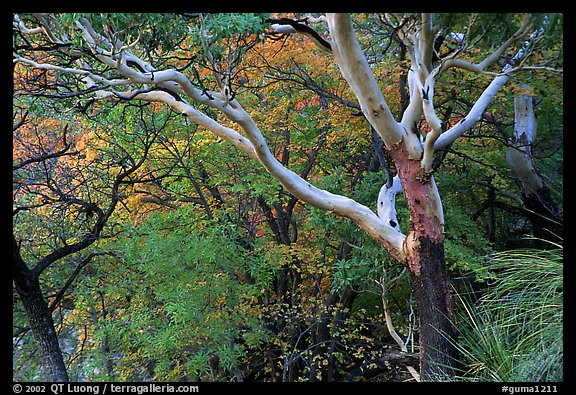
(226,37)
(228,25)
(182,297)
(465,245)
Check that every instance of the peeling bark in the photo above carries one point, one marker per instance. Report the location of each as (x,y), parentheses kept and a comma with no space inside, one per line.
(420,194)
(424,251)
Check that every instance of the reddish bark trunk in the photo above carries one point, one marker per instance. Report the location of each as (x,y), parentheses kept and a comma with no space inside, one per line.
(424,248)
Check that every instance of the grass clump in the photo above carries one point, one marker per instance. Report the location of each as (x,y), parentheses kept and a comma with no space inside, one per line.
(514,331)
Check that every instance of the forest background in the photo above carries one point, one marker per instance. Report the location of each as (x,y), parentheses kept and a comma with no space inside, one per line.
(150,248)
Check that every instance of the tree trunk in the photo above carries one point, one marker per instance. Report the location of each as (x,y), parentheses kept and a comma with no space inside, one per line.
(545,218)
(434,308)
(424,248)
(40,319)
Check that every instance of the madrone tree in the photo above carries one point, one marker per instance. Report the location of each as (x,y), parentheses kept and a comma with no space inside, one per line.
(115,58)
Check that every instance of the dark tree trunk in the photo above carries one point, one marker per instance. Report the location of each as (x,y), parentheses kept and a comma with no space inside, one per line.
(544,217)
(40,319)
(434,308)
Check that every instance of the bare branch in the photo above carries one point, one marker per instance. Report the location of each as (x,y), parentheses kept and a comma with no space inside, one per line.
(58,297)
(41,158)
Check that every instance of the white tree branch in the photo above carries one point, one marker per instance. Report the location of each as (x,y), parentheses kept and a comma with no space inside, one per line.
(24,29)
(490,59)
(474,115)
(284,29)
(256,146)
(356,70)
(427,96)
(69,70)
(420,84)
(427,80)
(386,204)
(413,112)
(488,94)
(425,41)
